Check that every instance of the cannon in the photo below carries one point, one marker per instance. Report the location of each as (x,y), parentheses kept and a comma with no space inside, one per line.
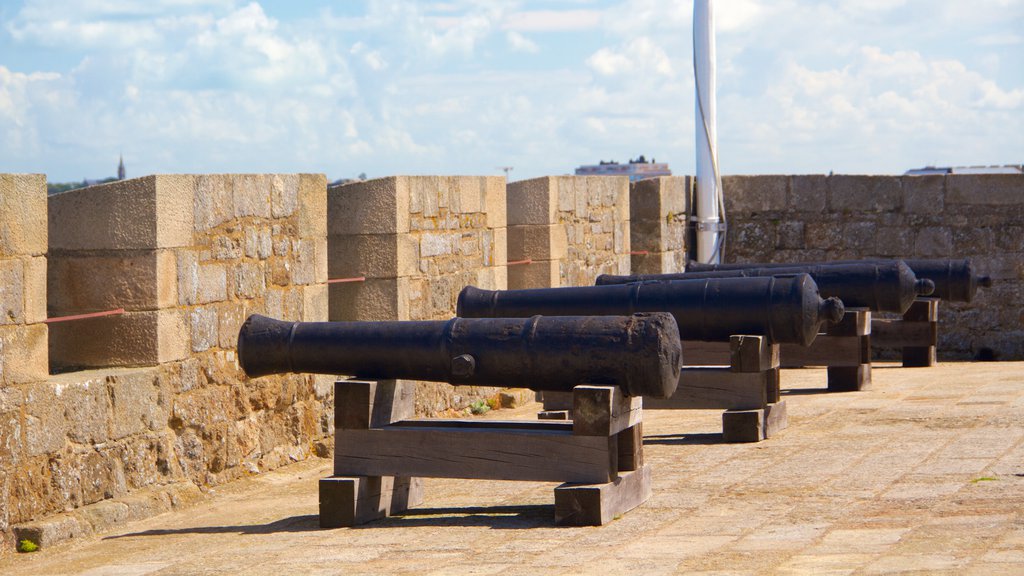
(641,353)
(782,308)
(889,286)
(955,279)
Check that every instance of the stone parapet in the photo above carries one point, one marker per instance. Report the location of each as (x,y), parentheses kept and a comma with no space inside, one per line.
(570,229)
(187,258)
(817,217)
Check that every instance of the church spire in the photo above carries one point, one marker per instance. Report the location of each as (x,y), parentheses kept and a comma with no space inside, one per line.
(120,167)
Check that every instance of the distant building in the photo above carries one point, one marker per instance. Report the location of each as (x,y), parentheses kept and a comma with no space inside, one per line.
(120,167)
(1005,169)
(637,169)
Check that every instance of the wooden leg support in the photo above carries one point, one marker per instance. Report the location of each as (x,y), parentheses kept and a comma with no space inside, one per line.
(599,504)
(754,425)
(849,378)
(360,499)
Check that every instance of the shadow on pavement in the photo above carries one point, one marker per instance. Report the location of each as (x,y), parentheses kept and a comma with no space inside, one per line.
(495,517)
(305,523)
(704,438)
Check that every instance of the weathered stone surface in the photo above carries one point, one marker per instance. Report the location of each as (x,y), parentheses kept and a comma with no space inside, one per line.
(534,201)
(373,207)
(130,339)
(924,194)
(984,189)
(808,193)
(23,230)
(864,193)
(23,353)
(755,193)
(131,280)
(123,215)
(374,299)
(537,274)
(12,291)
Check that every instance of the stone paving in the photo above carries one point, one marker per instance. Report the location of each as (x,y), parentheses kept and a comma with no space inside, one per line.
(922,473)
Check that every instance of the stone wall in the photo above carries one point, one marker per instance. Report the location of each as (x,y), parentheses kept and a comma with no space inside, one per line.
(417,241)
(812,217)
(164,402)
(659,210)
(571,229)
(23,359)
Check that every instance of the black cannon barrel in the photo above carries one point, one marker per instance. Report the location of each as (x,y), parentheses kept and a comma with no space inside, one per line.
(640,353)
(879,286)
(955,279)
(787,309)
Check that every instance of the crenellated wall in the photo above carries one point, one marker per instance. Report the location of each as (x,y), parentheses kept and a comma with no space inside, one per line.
(124,415)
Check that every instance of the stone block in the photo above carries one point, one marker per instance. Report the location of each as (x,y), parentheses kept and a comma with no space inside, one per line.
(134,402)
(808,193)
(659,198)
(378,206)
(924,194)
(23,228)
(12,291)
(894,241)
(790,235)
(544,242)
(656,236)
(212,283)
(23,355)
(537,274)
(532,201)
(284,195)
(251,194)
(933,241)
(755,193)
(312,208)
(133,280)
(468,194)
(864,193)
(45,424)
(985,189)
(372,255)
(123,215)
(230,316)
(496,202)
(213,203)
(314,303)
(143,338)
(658,263)
(374,299)
(204,328)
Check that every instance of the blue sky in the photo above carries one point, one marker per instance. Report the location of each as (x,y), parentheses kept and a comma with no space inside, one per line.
(389,87)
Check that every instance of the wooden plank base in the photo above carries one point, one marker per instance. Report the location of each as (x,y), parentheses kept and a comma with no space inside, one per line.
(350,501)
(849,378)
(599,504)
(754,425)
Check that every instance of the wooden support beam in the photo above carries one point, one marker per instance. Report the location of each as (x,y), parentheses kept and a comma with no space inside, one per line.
(487,453)
(702,387)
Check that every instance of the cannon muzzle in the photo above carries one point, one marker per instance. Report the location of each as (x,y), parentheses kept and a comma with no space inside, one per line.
(879,286)
(786,309)
(640,353)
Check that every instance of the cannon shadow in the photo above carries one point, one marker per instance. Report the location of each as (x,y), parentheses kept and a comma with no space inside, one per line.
(701,439)
(304,523)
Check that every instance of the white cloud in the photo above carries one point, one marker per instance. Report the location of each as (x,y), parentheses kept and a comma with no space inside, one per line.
(638,56)
(521,43)
(552,20)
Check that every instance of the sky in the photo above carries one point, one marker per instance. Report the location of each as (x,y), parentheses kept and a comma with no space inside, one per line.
(387,87)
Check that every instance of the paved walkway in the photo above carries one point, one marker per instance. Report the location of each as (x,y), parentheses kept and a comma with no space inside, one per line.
(924,472)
